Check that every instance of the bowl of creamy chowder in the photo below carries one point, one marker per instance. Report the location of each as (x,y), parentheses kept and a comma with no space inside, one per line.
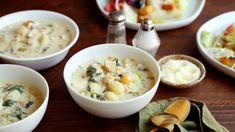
(112,80)
(24,97)
(37,39)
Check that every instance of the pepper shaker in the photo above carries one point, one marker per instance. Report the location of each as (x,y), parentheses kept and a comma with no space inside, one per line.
(146,37)
(116,28)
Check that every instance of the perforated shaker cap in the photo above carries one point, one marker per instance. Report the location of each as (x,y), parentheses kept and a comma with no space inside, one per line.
(147,25)
(116,16)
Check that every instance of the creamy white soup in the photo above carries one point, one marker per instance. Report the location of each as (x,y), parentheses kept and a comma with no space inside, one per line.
(33,38)
(180,71)
(17,101)
(112,79)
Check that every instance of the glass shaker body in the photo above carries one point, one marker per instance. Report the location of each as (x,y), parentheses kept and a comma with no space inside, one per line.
(116,33)
(116,28)
(146,38)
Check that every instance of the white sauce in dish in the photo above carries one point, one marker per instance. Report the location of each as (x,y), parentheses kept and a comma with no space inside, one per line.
(33,38)
(17,101)
(180,71)
(112,79)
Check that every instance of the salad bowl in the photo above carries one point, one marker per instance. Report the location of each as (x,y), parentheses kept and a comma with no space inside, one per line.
(216,27)
(192,11)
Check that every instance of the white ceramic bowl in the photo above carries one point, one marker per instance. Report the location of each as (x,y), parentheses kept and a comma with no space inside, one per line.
(44,62)
(189,15)
(109,109)
(27,75)
(216,26)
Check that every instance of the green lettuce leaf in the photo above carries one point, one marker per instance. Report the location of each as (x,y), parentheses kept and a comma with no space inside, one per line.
(207,39)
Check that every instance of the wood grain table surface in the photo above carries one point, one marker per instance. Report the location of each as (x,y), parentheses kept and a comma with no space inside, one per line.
(217,90)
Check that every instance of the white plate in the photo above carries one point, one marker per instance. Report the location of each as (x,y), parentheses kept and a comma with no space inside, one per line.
(190,14)
(216,25)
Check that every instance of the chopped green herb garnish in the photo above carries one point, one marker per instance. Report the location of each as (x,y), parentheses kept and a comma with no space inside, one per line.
(18,113)
(92,79)
(29,104)
(97,96)
(98,74)
(90,71)
(117,62)
(93,95)
(19,117)
(8,102)
(98,63)
(50,25)
(19,88)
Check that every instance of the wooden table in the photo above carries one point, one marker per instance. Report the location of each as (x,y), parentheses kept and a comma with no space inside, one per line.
(217,89)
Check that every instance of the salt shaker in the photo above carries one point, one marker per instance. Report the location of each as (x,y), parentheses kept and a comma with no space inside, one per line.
(116,28)
(146,37)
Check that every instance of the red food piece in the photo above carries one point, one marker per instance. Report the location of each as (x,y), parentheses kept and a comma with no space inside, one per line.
(110,6)
(168,7)
(121,5)
(227,61)
(233,48)
(228,29)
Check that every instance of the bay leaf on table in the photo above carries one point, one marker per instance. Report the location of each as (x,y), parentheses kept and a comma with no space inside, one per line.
(208,121)
(145,125)
(207,118)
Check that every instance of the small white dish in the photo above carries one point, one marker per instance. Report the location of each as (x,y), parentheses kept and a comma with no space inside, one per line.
(216,26)
(190,14)
(111,109)
(40,63)
(196,62)
(27,75)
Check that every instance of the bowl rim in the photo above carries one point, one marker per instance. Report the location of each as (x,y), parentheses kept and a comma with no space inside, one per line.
(70,44)
(155,86)
(45,100)
(188,58)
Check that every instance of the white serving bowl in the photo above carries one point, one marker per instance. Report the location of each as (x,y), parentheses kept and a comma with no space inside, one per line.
(111,109)
(40,63)
(216,26)
(27,75)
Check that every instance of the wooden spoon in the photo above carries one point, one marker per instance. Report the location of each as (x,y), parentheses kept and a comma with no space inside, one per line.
(179,108)
(164,120)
